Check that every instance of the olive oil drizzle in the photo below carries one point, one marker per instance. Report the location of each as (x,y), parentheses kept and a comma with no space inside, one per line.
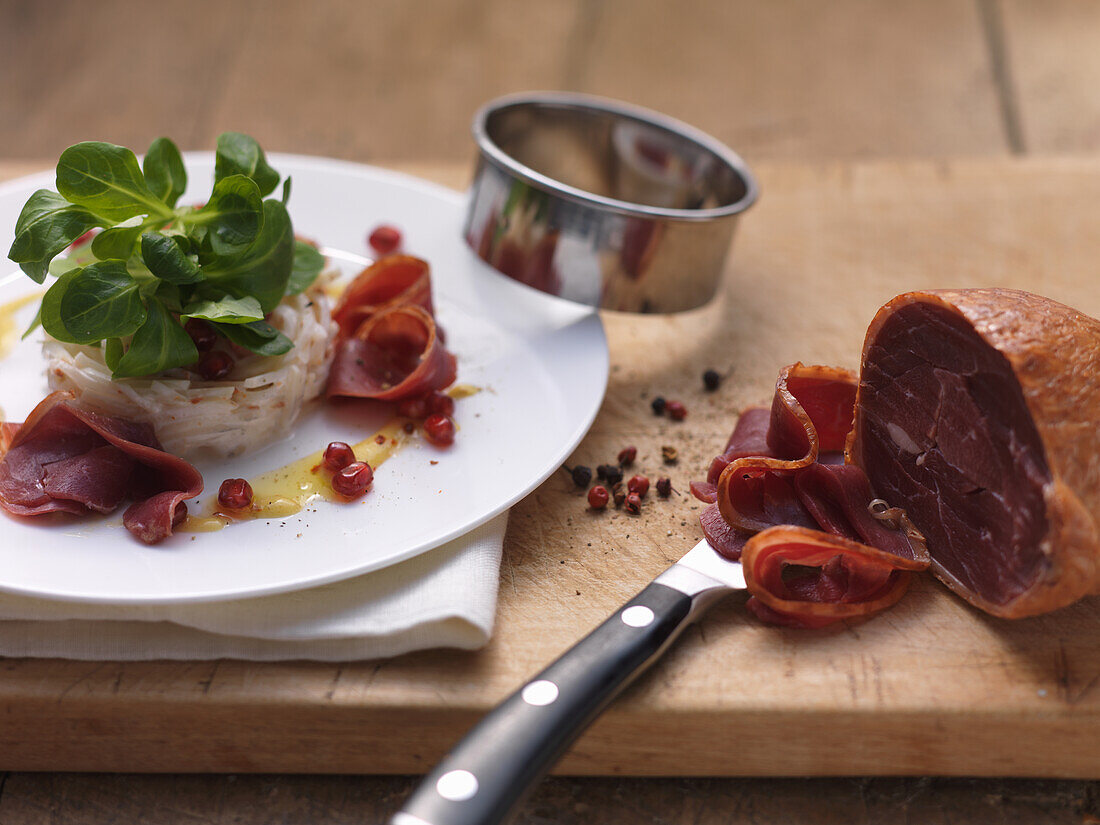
(459,391)
(9,333)
(287,490)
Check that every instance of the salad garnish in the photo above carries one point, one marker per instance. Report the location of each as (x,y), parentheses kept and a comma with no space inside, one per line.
(154,265)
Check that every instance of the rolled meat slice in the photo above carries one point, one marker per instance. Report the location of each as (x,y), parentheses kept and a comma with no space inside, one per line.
(816,544)
(394,280)
(395,355)
(811,415)
(977,412)
(806,578)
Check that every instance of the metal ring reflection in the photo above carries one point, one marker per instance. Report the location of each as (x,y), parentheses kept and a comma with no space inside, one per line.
(602,203)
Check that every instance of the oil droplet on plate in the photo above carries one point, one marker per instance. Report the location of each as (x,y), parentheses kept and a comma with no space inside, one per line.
(285,491)
(9,332)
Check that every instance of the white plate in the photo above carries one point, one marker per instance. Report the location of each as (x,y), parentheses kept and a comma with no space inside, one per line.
(542,363)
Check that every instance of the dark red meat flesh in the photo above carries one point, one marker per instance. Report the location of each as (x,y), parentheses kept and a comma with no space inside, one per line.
(64,458)
(945,431)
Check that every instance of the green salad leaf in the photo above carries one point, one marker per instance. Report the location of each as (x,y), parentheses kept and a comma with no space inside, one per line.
(49,311)
(234,215)
(155,265)
(308,263)
(112,352)
(241,155)
(167,258)
(46,226)
(106,180)
(258,336)
(226,310)
(118,242)
(158,344)
(164,171)
(263,269)
(94,302)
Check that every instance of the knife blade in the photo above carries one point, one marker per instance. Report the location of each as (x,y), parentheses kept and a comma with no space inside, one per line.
(487,775)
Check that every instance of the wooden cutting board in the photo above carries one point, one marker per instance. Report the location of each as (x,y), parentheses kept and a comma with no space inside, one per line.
(930,687)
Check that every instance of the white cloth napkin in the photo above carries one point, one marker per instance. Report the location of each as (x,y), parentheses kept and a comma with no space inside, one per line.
(443,598)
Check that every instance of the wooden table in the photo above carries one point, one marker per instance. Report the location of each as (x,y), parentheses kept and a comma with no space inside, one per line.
(929,688)
(808,94)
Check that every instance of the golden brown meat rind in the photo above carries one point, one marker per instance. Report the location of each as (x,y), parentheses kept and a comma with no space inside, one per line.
(1054,352)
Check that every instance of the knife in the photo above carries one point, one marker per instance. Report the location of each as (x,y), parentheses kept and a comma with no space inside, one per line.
(488,774)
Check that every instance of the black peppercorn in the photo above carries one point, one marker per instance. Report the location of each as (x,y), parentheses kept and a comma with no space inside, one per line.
(581,475)
(658,405)
(711,380)
(611,473)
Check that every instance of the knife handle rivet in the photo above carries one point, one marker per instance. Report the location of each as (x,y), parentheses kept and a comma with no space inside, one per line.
(637,616)
(457,786)
(539,693)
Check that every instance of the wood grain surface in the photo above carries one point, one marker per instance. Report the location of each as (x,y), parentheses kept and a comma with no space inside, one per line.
(1051,51)
(929,687)
(397,80)
(796,80)
(391,81)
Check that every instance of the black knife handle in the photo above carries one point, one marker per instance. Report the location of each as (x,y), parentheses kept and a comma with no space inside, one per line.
(489,773)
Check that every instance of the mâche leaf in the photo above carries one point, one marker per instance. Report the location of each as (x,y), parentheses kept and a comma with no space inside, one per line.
(46,226)
(239,154)
(233,216)
(226,311)
(263,269)
(118,242)
(35,323)
(107,181)
(112,352)
(258,336)
(99,301)
(59,266)
(165,174)
(159,344)
(49,311)
(166,258)
(170,295)
(308,263)
(155,265)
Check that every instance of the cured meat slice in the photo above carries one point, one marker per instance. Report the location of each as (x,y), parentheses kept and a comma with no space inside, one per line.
(976,411)
(98,479)
(799,479)
(823,548)
(749,437)
(155,518)
(810,415)
(8,430)
(723,538)
(390,347)
(806,578)
(390,281)
(395,355)
(65,458)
